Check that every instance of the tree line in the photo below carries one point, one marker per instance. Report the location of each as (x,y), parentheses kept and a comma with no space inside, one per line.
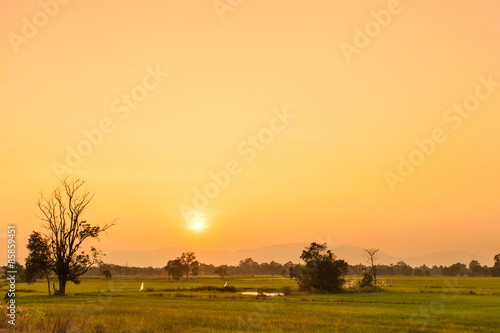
(474,268)
(249,267)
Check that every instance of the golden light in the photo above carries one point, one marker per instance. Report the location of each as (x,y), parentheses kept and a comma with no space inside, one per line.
(197,225)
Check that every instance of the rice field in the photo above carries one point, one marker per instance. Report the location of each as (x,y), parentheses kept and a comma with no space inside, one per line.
(405,304)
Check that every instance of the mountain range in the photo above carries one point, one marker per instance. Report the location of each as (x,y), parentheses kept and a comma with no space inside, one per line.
(283,253)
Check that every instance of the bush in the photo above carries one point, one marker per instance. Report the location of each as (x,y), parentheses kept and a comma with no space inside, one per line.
(322,272)
(287,291)
(183,295)
(231,289)
(366,281)
(107,274)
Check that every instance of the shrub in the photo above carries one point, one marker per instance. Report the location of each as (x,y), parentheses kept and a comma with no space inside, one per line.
(322,272)
(183,295)
(366,281)
(287,291)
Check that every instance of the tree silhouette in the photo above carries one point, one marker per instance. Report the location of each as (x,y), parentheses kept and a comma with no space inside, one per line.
(495,270)
(475,268)
(221,271)
(189,263)
(62,214)
(107,274)
(321,271)
(174,268)
(39,262)
(372,257)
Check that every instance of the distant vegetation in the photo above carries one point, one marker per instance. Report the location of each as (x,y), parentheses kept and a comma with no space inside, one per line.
(184,264)
(249,267)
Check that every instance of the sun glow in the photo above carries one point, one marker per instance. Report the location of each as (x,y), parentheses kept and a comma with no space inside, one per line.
(197,225)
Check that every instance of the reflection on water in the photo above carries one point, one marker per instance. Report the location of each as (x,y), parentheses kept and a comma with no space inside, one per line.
(256,293)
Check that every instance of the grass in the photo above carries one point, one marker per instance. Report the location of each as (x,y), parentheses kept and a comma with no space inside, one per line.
(405,304)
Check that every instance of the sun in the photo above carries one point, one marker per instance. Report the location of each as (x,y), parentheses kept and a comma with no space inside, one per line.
(197,225)
(197,222)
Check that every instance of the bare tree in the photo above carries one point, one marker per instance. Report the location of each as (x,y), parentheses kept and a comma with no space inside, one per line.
(62,214)
(371,257)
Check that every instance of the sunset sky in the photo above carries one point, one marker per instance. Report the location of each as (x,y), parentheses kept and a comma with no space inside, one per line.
(311,113)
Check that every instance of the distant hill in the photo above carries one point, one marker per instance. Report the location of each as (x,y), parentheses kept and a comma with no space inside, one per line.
(283,253)
(447,258)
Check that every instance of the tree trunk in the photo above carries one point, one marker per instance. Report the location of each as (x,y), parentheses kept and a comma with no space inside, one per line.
(62,287)
(48,281)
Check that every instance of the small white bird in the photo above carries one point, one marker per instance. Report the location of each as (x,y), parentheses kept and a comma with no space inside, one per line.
(225,285)
(142,286)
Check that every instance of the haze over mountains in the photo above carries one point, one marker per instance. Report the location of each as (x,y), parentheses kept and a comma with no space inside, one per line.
(283,253)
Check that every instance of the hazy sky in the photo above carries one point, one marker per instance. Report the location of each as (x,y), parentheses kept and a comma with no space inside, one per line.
(311,109)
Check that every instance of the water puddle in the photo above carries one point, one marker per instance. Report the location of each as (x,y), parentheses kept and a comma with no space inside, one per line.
(256,293)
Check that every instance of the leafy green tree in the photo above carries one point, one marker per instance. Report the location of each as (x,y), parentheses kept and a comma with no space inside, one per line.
(495,270)
(286,269)
(366,281)
(475,268)
(107,274)
(294,271)
(248,266)
(39,262)
(189,263)
(425,270)
(21,272)
(62,214)
(175,269)
(321,271)
(403,268)
(275,268)
(454,270)
(221,271)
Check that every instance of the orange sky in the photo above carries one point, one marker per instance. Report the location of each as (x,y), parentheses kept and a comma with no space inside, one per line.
(356,103)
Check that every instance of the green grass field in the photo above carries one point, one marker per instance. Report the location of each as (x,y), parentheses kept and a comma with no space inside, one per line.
(412,304)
